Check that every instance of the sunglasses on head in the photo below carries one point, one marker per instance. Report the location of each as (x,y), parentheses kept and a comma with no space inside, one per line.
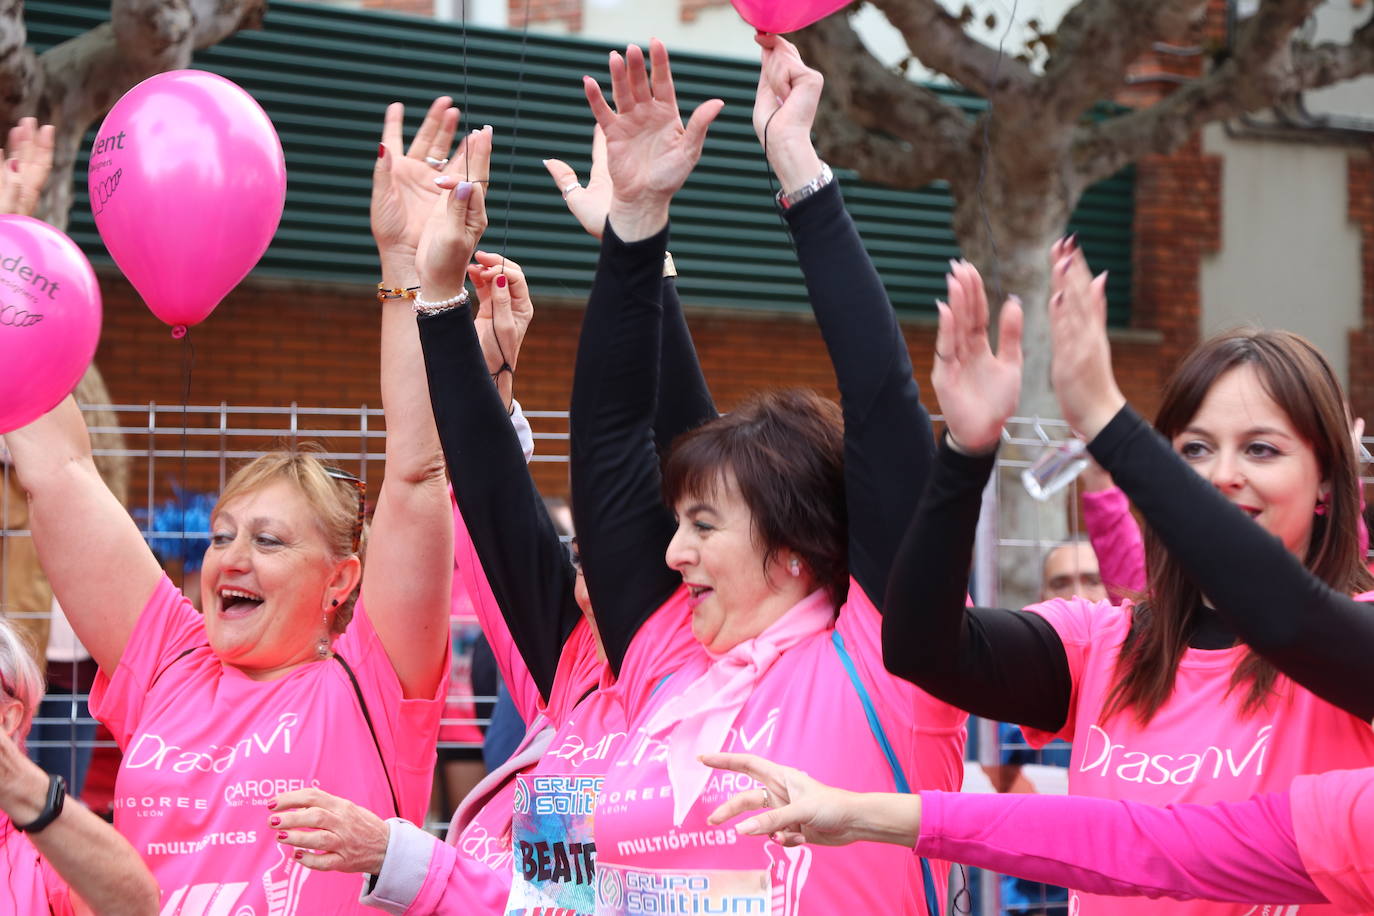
(357,484)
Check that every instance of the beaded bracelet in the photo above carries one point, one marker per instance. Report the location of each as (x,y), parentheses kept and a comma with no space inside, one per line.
(396,292)
(423,306)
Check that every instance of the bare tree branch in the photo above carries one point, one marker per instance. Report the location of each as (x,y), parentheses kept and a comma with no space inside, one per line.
(1096,42)
(1329,63)
(876,121)
(84,76)
(940,42)
(1262,70)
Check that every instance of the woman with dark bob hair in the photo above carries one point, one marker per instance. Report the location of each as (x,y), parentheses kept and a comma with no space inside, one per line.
(781,522)
(1163,702)
(307,671)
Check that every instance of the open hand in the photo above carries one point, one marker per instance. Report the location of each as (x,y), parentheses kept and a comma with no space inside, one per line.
(649,151)
(1081,363)
(329,833)
(27,160)
(977,389)
(591,202)
(792,808)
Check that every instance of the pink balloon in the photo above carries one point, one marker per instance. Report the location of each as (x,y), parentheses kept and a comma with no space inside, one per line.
(49,319)
(187,183)
(782,16)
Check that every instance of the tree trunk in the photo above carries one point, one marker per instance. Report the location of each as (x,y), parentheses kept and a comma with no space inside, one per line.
(1005,225)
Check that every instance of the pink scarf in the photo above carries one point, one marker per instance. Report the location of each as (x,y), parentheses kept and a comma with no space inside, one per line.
(701,715)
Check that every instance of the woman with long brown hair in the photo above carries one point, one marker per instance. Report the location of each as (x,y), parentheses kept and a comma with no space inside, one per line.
(1161,701)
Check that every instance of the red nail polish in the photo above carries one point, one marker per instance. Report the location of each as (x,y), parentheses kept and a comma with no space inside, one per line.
(274,821)
(381,150)
(300,854)
(271,805)
(501,281)
(281,834)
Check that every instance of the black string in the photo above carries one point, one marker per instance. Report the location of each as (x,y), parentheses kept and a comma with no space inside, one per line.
(188,364)
(514,136)
(466,113)
(994,267)
(768,170)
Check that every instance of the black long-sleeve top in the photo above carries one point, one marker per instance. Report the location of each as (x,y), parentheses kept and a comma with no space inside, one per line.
(623,526)
(518,545)
(1012,666)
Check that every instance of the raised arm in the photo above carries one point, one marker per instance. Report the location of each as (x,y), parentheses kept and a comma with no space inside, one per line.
(520,551)
(425,237)
(1317,636)
(101,570)
(685,403)
(991,662)
(96,862)
(888,439)
(623,528)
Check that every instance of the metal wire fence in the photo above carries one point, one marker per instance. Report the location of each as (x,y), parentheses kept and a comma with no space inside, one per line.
(173,451)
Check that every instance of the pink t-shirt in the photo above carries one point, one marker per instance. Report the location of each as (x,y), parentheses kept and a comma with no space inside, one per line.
(1197,748)
(481,829)
(555,804)
(26,877)
(205,747)
(1333,823)
(804,712)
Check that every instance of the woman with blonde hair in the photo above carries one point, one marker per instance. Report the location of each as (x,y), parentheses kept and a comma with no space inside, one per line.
(306,669)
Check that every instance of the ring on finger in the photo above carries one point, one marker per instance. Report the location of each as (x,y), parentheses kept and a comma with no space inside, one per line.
(435,164)
(568,189)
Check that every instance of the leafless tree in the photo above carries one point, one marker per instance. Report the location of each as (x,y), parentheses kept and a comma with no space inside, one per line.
(1016,191)
(74,83)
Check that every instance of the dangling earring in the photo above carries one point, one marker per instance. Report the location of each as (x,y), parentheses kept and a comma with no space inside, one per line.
(322,645)
(794,567)
(1321,507)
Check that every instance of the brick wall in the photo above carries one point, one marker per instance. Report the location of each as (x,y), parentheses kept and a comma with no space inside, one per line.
(690,9)
(1360,184)
(568,12)
(271,343)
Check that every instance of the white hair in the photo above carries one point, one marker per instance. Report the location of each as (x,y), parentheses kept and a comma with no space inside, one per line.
(22,679)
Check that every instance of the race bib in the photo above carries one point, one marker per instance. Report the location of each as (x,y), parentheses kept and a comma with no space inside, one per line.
(624,891)
(555,855)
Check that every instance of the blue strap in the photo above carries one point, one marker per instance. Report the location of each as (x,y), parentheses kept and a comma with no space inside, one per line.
(898,776)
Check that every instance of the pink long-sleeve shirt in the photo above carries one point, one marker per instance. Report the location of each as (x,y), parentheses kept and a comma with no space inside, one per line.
(1311,844)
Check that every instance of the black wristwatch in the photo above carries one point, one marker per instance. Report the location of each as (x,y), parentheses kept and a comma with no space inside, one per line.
(57,795)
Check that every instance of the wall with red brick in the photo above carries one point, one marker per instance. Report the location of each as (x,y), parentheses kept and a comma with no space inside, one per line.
(567,12)
(271,343)
(1360,184)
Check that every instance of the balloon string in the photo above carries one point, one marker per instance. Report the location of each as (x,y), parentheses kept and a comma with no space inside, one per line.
(515,131)
(188,363)
(463,27)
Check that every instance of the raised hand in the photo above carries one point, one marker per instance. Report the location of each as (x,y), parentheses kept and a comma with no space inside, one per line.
(1081,362)
(403,186)
(503,316)
(977,389)
(27,161)
(797,809)
(329,833)
(589,203)
(785,110)
(457,218)
(649,151)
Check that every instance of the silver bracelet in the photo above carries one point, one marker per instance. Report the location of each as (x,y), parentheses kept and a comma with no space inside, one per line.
(423,306)
(809,189)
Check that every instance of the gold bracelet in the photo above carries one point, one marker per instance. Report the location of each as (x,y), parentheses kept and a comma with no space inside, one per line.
(395,292)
